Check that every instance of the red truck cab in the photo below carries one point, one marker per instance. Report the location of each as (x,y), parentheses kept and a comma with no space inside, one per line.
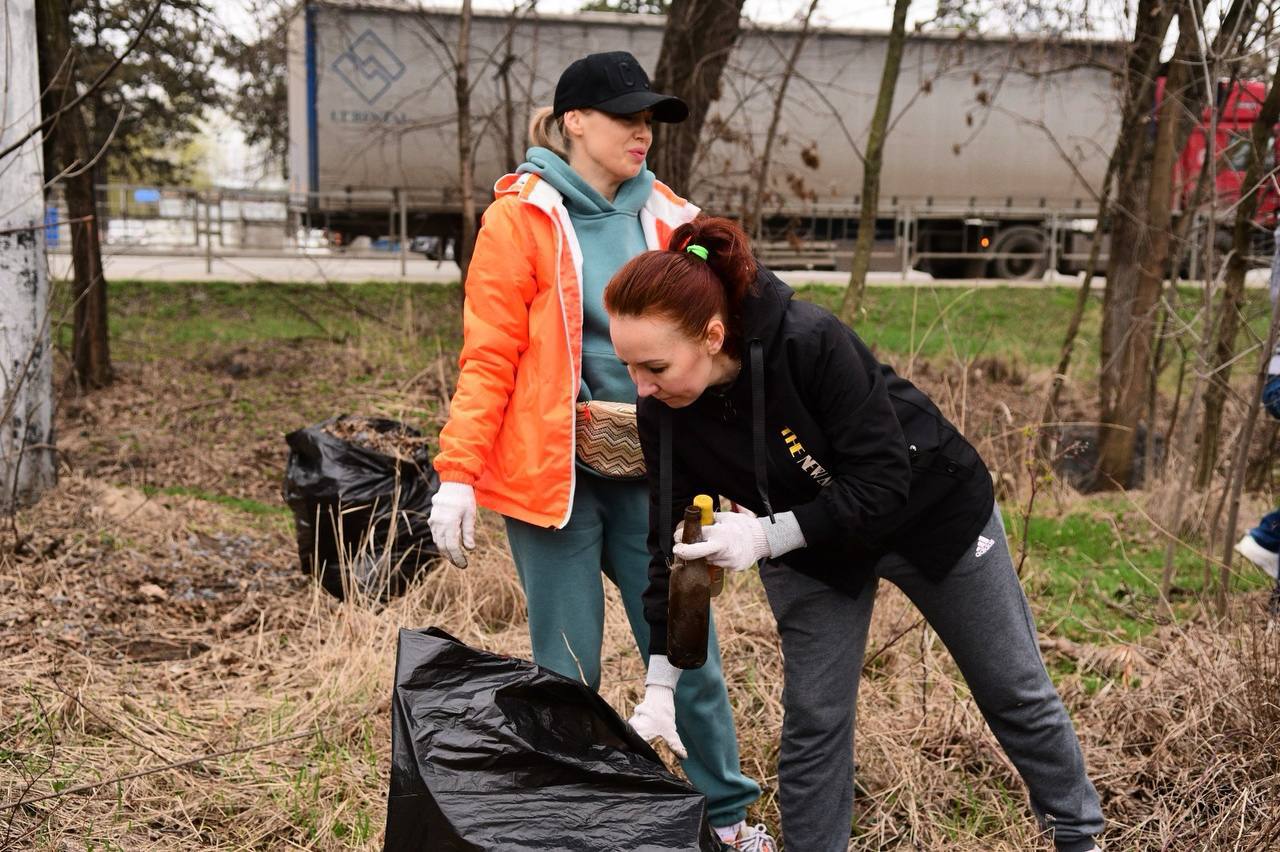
(1238,108)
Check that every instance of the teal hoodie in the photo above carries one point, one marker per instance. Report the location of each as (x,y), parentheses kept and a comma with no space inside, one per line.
(609,235)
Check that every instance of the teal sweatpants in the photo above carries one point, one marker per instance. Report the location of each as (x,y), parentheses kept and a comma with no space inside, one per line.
(561,573)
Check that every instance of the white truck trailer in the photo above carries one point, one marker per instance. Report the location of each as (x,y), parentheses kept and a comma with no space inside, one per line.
(997,145)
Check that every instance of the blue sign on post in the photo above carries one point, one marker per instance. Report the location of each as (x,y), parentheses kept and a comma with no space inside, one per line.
(51,227)
(146,196)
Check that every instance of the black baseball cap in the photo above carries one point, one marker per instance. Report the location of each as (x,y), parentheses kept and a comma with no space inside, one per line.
(615,83)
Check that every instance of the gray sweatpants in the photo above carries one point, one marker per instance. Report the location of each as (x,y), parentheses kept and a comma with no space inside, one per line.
(981,614)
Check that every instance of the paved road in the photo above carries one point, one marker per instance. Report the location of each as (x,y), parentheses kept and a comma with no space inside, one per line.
(300,268)
(318,268)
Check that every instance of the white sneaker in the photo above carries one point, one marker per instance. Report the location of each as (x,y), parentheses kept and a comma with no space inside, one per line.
(1249,548)
(754,838)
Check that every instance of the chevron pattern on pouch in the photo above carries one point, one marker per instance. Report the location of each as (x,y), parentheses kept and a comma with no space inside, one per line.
(607,439)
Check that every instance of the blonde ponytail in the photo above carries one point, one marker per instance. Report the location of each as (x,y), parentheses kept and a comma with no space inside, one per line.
(547,131)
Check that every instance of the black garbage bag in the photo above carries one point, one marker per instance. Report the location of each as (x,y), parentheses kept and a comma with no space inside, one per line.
(360,515)
(491,753)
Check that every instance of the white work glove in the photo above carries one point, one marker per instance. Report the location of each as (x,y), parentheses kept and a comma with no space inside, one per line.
(735,541)
(453,521)
(655,716)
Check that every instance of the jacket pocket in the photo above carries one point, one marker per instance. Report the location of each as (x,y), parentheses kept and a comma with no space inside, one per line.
(933,446)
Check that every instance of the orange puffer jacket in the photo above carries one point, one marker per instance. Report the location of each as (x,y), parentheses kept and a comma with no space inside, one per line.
(511,423)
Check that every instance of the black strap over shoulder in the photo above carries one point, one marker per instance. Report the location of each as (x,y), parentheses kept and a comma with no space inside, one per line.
(665,533)
(758,426)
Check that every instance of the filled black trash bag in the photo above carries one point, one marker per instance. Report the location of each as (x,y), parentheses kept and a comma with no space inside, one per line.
(359,508)
(495,754)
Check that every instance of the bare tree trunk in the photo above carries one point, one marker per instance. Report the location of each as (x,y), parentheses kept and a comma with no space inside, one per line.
(1192,110)
(1118,431)
(1128,232)
(851,305)
(509,133)
(26,382)
(1242,457)
(1130,228)
(696,43)
(1141,68)
(466,165)
(771,136)
(1183,437)
(1181,432)
(1049,413)
(1159,361)
(1181,440)
(1219,368)
(91,353)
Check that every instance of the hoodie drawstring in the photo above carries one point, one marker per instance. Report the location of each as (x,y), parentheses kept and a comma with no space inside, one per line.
(665,534)
(757,425)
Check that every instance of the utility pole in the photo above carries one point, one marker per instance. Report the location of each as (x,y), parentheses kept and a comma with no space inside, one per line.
(26,380)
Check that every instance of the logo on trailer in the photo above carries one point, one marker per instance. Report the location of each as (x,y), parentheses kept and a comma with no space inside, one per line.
(369,67)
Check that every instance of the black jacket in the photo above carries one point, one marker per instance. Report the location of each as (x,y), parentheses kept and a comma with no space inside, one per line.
(862,457)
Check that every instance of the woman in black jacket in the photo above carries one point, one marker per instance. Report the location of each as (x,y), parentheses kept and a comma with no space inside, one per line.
(852,475)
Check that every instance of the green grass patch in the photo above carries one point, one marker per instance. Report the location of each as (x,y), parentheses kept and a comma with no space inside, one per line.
(1093,575)
(1022,325)
(972,813)
(308,799)
(157,319)
(243,504)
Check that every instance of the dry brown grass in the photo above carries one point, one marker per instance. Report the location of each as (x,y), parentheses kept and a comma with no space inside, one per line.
(138,633)
(1190,759)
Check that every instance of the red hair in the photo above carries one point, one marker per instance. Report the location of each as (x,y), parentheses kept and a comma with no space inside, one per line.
(680,285)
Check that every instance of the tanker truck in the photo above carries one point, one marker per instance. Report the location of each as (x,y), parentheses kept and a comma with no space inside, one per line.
(997,145)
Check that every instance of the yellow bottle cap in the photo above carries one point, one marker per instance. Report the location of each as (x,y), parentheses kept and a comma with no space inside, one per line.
(703,502)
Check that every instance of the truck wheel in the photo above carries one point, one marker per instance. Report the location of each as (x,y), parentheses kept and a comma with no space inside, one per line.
(1023,240)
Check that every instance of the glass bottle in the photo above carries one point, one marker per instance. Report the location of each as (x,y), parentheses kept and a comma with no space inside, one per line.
(689,599)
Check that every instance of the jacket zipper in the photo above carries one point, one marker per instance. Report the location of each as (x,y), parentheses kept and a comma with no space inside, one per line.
(564,319)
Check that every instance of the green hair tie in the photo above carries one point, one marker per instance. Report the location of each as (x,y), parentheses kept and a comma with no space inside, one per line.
(695,249)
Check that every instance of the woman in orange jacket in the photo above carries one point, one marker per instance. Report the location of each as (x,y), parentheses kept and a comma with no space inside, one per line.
(536,345)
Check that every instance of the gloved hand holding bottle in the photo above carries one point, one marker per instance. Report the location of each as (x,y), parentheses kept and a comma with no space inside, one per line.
(737,541)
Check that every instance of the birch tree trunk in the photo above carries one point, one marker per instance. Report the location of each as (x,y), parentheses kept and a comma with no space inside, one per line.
(26,380)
